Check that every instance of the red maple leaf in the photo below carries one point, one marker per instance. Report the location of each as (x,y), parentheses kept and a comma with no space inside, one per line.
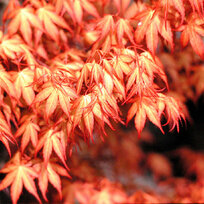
(19,173)
(54,93)
(152,24)
(6,135)
(50,21)
(29,131)
(22,19)
(50,173)
(192,32)
(23,81)
(52,140)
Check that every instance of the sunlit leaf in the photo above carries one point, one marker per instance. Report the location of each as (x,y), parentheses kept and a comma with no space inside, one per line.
(19,174)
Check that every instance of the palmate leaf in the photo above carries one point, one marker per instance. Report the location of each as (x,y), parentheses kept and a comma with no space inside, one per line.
(173,111)
(50,173)
(5,140)
(53,95)
(192,32)
(90,73)
(107,102)
(9,47)
(179,6)
(94,108)
(140,120)
(13,48)
(106,32)
(94,73)
(50,21)
(151,24)
(62,6)
(104,36)
(19,173)
(69,71)
(50,141)
(123,27)
(29,131)
(6,135)
(22,19)
(106,25)
(5,82)
(78,7)
(120,66)
(82,112)
(114,85)
(23,81)
(144,109)
(142,76)
(9,109)
(152,108)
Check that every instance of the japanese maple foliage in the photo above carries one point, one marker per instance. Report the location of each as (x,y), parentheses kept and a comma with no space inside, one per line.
(69,67)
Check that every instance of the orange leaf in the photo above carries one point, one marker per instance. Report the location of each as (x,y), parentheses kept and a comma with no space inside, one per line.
(177,4)
(43,180)
(50,141)
(51,103)
(122,27)
(78,11)
(29,131)
(10,47)
(58,143)
(106,25)
(22,19)
(88,115)
(151,23)
(164,29)
(140,119)
(174,112)
(152,38)
(64,103)
(192,32)
(54,94)
(6,135)
(20,174)
(50,21)
(50,173)
(44,94)
(153,115)
(22,83)
(131,112)
(5,82)
(54,179)
(145,18)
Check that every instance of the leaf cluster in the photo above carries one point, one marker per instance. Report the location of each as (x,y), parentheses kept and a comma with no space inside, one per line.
(67,69)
